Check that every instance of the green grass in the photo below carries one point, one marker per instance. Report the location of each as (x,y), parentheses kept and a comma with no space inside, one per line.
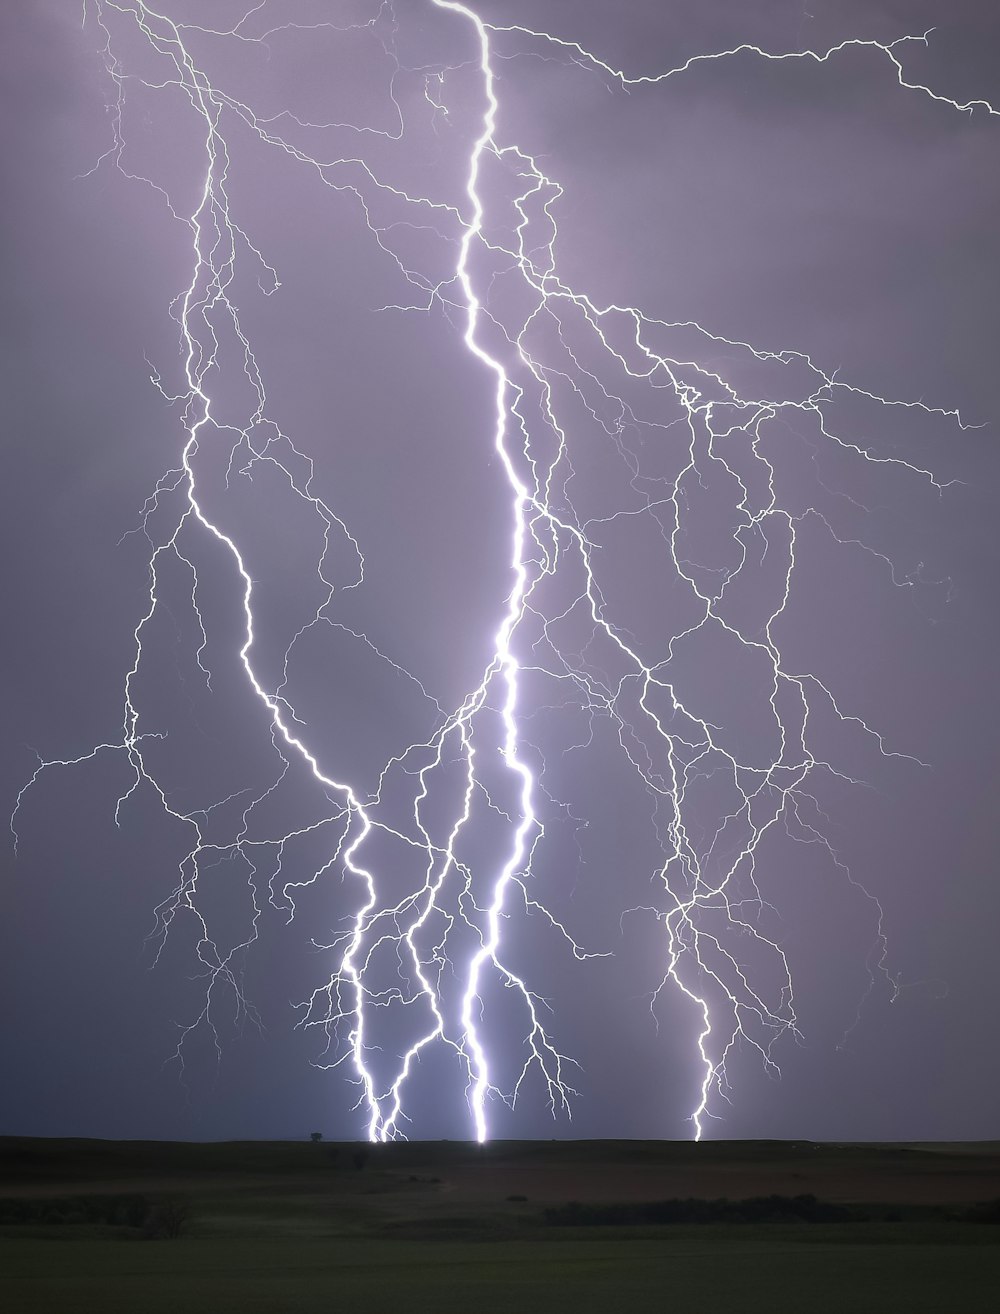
(762,1269)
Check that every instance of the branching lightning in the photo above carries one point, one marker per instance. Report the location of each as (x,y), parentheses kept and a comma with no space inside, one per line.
(435,887)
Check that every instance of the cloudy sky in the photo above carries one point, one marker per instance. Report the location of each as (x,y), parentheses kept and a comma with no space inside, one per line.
(695,799)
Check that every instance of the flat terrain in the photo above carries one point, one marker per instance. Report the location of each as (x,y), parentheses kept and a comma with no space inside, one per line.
(272,1226)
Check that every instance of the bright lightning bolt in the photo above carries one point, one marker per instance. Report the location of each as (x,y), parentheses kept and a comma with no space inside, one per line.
(446,855)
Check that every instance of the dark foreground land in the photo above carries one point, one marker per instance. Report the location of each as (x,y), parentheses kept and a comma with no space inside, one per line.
(105,1227)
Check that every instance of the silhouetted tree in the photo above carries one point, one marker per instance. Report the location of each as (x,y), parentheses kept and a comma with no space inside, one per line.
(168,1217)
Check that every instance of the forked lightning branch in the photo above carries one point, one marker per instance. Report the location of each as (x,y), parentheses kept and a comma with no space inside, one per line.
(436,871)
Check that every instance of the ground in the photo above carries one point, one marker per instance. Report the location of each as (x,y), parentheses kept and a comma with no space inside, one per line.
(450,1226)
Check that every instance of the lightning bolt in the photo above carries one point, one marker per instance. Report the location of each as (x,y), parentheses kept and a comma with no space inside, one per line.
(446,856)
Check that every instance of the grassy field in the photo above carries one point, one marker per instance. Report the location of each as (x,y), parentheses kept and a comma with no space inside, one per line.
(449,1227)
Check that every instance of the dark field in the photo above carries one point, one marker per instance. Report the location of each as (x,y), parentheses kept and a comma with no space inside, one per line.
(522,1226)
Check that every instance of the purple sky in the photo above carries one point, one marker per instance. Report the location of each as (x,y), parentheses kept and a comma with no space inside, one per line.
(818,208)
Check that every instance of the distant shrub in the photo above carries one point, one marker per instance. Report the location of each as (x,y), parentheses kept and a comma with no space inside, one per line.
(987,1212)
(360,1159)
(759,1209)
(109,1210)
(517,1199)
(167,1218)
(315,1137)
